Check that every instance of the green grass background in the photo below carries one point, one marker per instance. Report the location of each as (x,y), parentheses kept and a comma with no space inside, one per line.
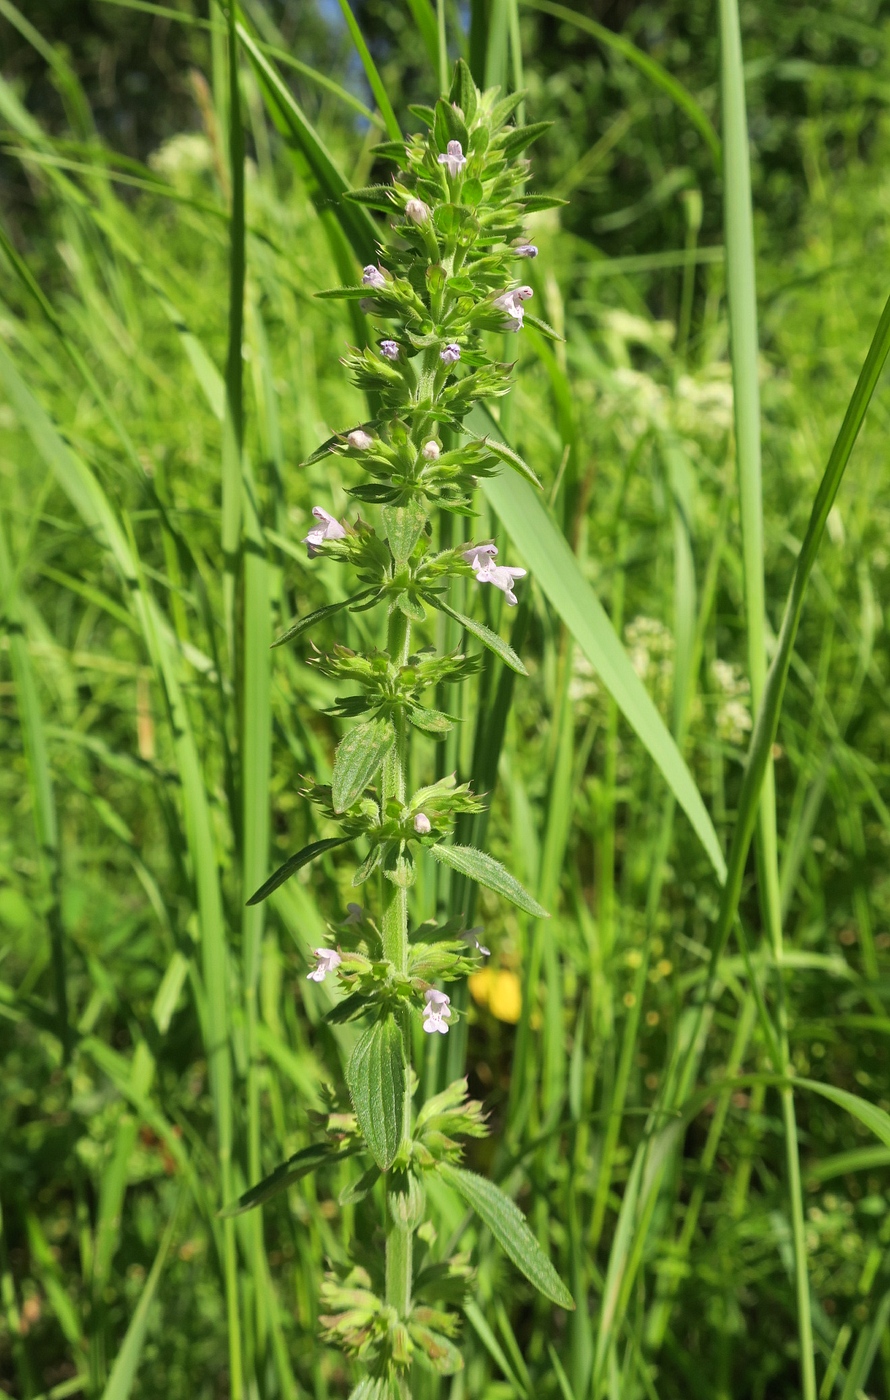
(161,1047)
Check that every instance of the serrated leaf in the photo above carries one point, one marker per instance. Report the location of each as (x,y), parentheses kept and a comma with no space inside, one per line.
(373,196)
(508,1225)
(522,136)
(430,721)
(311,618)
(376,1079)
(485,634)
(404,525)
(543,326)
(485,870)
(448,126)
(358,757)
(463,90)
(534,203)
(512,459)
(295,863)
(307,1160)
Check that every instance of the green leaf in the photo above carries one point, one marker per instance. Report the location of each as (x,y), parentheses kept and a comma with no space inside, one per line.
(295,863)
(543,327)
(126,1363)
(404,525)
(512,459)
(311,618)
(359,755)
(307,1160)
(520,137)
(485,634)
(374,197)
(376,1078)
(487,871)
(875,1119)
(508,1225)
(555,569)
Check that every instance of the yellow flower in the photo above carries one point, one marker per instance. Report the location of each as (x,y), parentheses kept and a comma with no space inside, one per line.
(500,991)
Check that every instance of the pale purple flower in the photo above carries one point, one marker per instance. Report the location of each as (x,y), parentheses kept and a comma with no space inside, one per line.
(436,1012)
(455,160)
(431,451)
(511,304)
(373,277)
(422,824)
(328,959)
(500,576)
(417,211)
(327,529)
(389,349)
(526,250)
(359,439)
(450,355)
(480,554)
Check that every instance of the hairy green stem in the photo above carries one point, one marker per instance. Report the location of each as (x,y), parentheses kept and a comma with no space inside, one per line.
(399,1236)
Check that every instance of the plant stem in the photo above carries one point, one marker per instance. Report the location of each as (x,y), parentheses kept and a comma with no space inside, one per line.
(399,1246)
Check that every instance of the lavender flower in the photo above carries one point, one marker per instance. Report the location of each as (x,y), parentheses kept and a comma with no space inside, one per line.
(455,159)
(500,576)
(328,529)
(480,554)
(389,349)
(373,277)
(511,304)
(422,824)
(431,451)
(328,959)
(526,250)
(436,1011)
(450,355)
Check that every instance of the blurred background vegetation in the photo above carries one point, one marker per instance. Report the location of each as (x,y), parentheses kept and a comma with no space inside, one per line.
(115,198)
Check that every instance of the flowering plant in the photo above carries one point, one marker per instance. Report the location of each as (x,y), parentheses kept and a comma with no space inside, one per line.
(445,276)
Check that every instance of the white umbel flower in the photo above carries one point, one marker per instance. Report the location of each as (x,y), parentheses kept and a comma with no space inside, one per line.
(327,529)
(436,1012)
(455,160)
(328,960)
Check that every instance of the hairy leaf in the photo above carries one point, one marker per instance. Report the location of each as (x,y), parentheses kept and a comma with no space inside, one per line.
(485,634)
(507,1223)
(376,1078)
(358,757)
(301,1164)
(487,871)
(295,863)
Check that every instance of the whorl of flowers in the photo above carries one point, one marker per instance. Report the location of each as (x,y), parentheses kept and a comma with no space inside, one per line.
(443,277)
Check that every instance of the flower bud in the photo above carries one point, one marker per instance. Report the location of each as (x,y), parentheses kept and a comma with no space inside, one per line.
(422,824)
(431,451)
(360,440)
(450,355)
(389,349)
(417,211)
(526,250)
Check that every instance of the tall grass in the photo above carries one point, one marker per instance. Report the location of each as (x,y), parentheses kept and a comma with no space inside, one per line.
(686,1071)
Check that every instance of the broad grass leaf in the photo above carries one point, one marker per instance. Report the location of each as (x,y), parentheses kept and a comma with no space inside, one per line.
(556,571)
(874,1118)
(359,755)
(295,863)
(485,870)
(485,634)
(126,1363)
(307,1160)
(376,1077)
(508,1225)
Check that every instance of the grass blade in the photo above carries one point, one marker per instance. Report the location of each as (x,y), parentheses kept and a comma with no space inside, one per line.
(126,1363)
(374,78)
